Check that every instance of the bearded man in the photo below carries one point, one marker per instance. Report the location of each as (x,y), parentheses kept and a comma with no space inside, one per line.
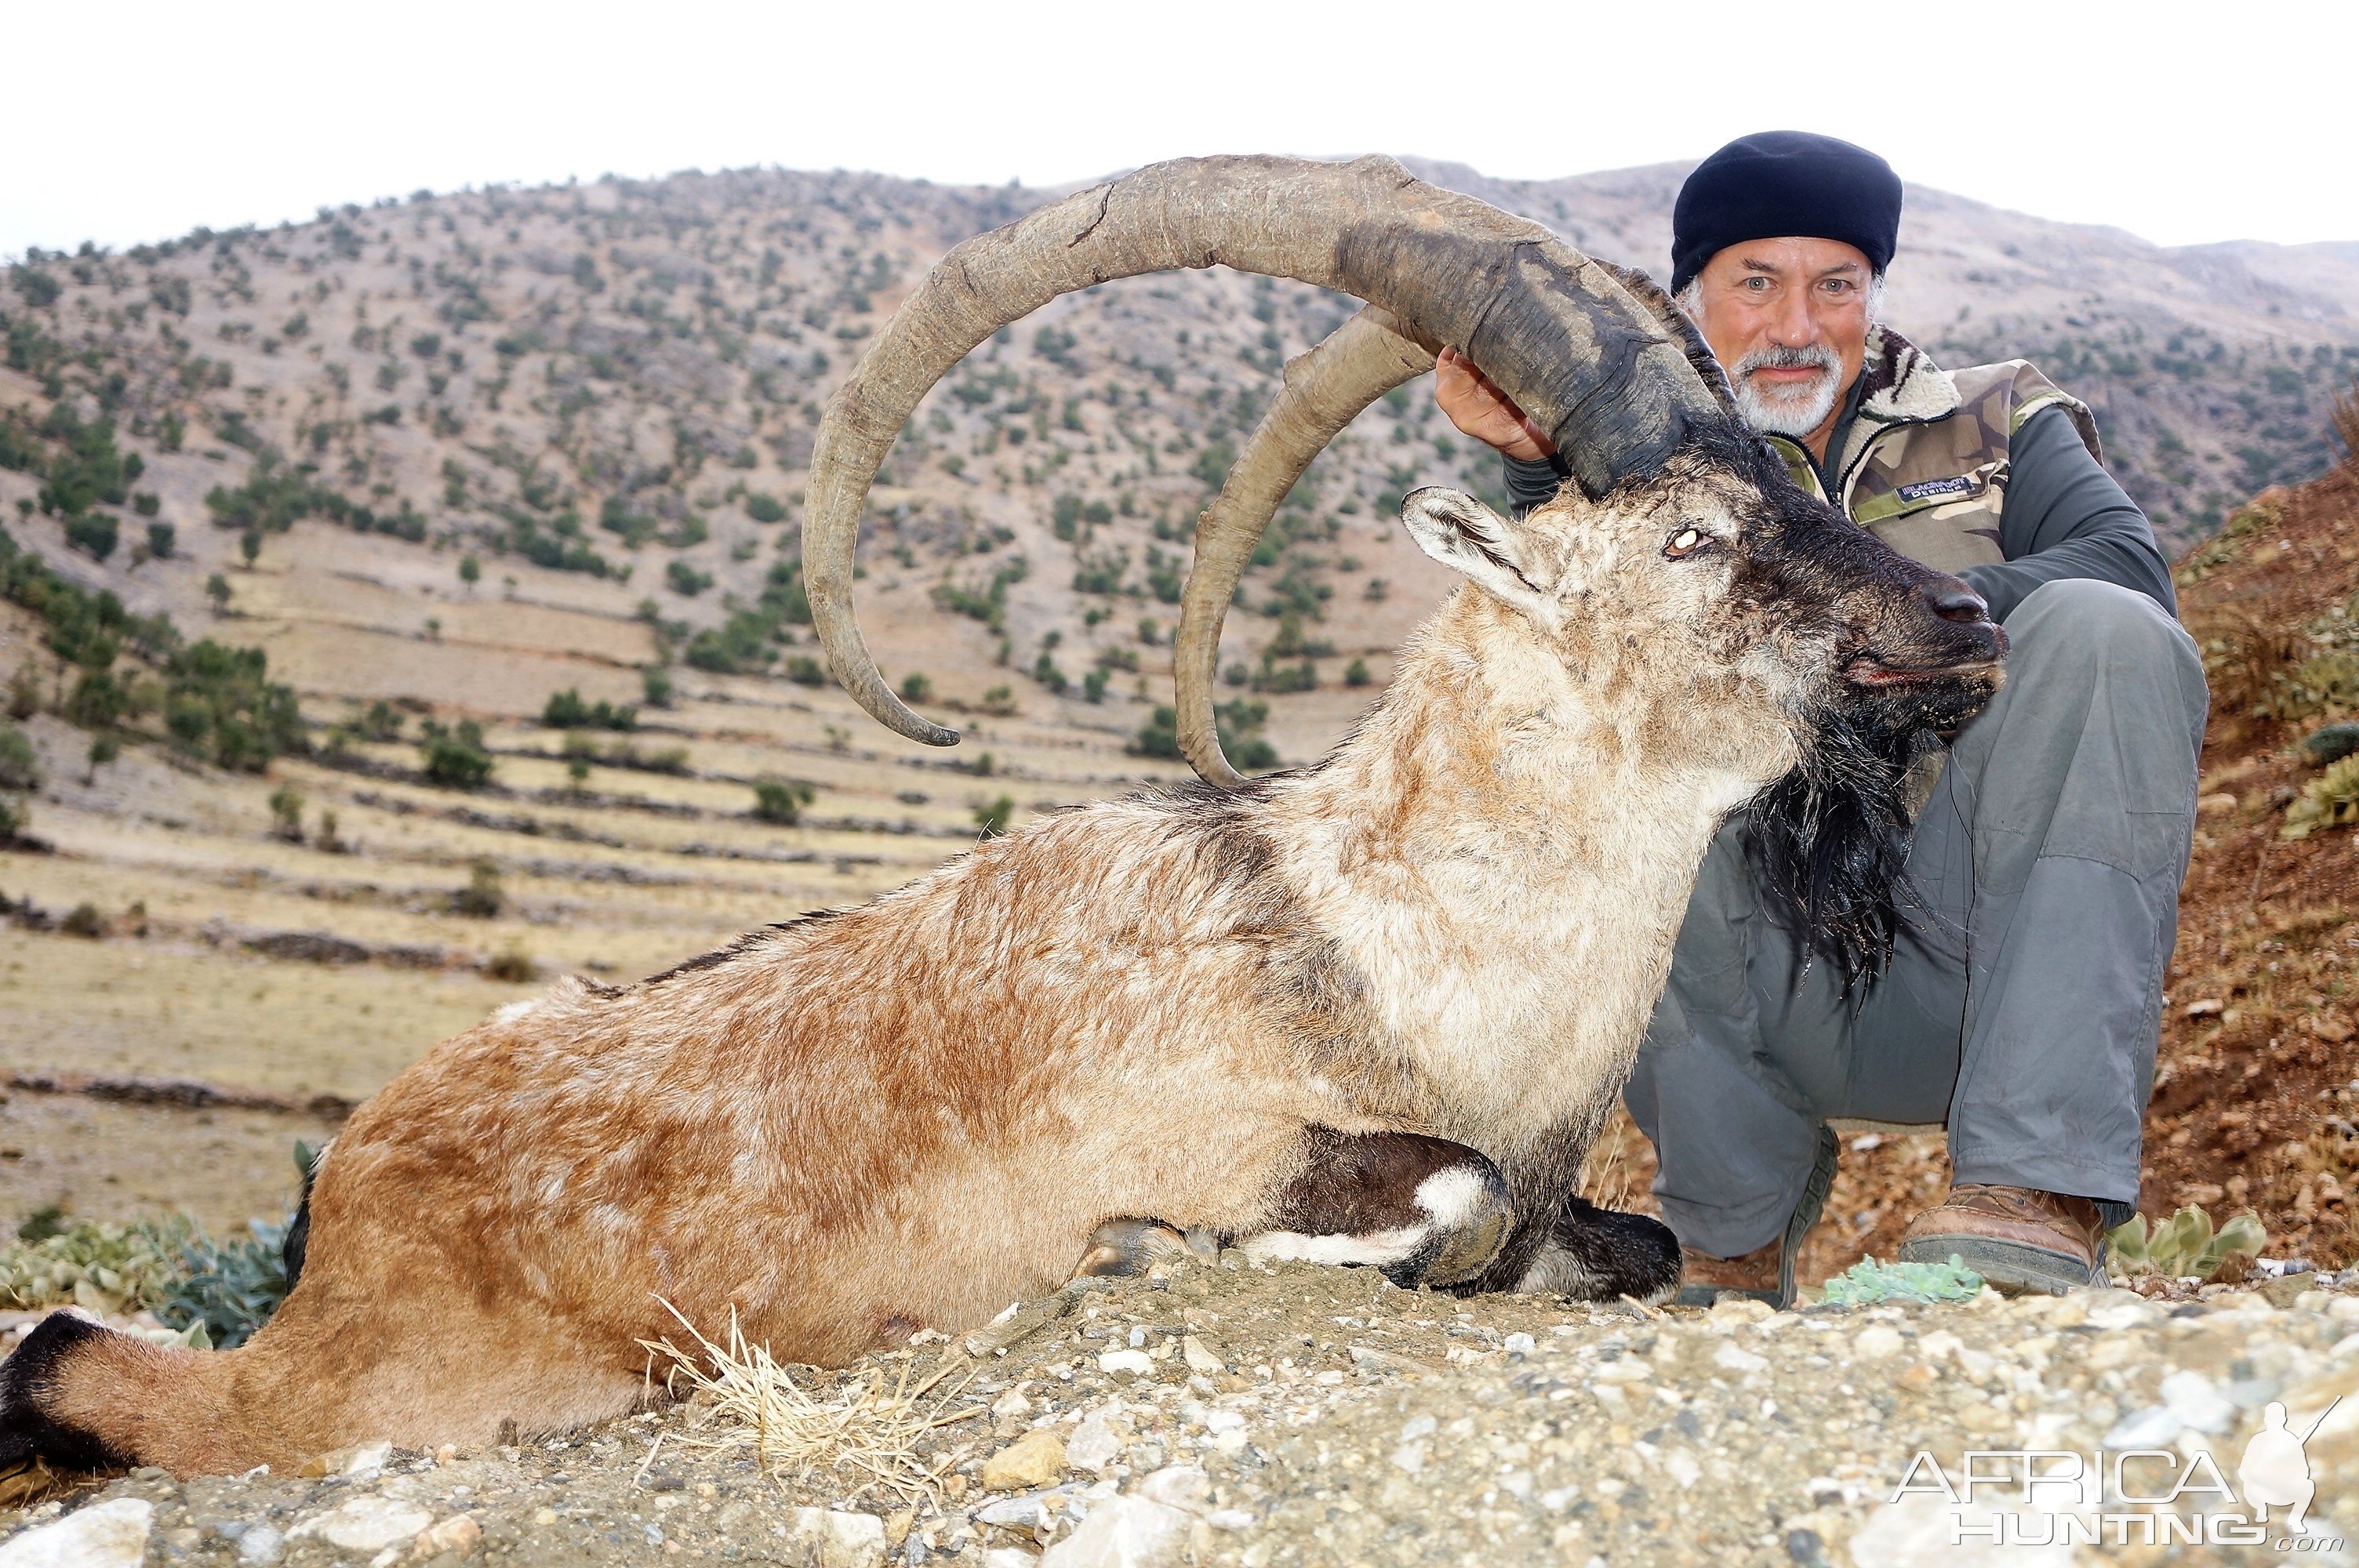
(2022,1005)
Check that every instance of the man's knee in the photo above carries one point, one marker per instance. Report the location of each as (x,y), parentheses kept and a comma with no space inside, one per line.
(2084,613)
(2081,628)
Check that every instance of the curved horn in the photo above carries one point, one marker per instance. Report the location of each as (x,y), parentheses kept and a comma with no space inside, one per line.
(1554,332)
(1326,388)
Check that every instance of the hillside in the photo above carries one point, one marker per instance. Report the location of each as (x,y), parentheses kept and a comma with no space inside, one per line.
(606,393)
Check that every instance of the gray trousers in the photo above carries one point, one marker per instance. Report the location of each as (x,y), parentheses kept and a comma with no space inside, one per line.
(2022,1007)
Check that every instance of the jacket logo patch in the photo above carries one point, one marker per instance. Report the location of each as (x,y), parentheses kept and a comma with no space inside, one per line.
(1925,489)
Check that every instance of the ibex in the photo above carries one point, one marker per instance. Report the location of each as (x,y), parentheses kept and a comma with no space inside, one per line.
(1372,1010)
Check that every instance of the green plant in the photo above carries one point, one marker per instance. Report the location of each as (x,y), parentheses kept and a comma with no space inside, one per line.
(999,701)
(804,670)
(780,800)
(471,571)
(228,1289)
(286,814)
(1868,1282)
(2329,800)
(84,921)
(1356,673)
(162,540)
(991,818)
(103,1268)
(654,685)
(454,758)
(2185,1245)
(103,748)
(685,579)
(24,692)
(217,588)
(567,710)
(481,898)
(19,768)
(915,687)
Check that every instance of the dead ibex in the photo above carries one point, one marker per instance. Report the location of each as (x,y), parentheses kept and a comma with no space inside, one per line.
(1370,1011)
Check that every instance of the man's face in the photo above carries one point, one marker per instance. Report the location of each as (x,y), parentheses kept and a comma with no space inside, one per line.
(1788,318)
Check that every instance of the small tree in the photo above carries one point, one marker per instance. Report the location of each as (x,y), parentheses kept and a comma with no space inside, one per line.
(915,687)
(991,818)
(655,683)
(103,748)
(162,540)
(217,590)
(454,758)
(24,692)
(286,814)
(470,571)
(249,544)
(781,801)
(481,898)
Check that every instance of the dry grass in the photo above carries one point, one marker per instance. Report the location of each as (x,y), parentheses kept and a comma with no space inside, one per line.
(868,1429)
(2343,413)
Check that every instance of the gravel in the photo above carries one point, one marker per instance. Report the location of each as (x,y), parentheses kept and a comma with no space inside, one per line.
(1298,1414)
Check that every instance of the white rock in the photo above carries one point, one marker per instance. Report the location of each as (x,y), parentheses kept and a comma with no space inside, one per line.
(1229,1519)
(2189,1397)
(367,1459)
(833,1540)
(1732,1357)
(104,1535)
(260,1545)
(1938,1343)
(1127,1532)
(2152,1427)
(365,1524)
(1127,1364)
(1409,1456)
(1234,1420)
(1877,1341)
(1181,1486)
(1200,1357)
(1098,1441)
(1682,1467)
(1519,1344)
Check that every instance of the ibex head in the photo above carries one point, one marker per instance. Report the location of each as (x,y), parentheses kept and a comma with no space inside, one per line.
(1677,528)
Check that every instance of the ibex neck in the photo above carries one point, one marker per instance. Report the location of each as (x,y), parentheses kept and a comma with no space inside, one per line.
(1506,845)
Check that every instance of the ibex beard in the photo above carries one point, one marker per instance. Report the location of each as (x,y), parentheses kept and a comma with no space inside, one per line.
(1371,1011)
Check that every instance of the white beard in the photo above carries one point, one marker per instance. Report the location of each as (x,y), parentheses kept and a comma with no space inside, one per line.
(1792,410)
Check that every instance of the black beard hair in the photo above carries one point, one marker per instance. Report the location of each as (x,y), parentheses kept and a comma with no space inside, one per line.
(1828,843)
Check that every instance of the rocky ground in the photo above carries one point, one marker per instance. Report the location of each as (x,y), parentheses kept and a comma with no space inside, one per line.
(1242,1415)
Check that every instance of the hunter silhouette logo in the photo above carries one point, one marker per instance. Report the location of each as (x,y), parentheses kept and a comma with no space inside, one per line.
(2275,1471)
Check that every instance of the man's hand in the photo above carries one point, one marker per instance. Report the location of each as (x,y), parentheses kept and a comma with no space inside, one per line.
(1483,412)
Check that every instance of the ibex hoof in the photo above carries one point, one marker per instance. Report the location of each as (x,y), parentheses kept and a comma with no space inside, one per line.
(1120,1247)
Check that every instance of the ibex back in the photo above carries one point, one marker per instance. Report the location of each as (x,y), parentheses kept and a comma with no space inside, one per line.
(1368,1011)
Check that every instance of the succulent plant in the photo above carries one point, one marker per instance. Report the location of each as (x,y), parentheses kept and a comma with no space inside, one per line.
(1868,1282)
(2329,800)
(2185,1245)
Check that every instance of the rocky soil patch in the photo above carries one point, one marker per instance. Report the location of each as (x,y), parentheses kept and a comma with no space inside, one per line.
(1241,1415)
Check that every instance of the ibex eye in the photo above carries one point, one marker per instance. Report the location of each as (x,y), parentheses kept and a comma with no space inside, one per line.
(1686,542)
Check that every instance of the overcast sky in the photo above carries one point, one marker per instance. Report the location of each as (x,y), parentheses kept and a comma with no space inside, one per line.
(2179,123)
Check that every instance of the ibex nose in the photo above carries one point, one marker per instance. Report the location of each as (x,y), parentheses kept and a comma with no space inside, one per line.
(1953,600)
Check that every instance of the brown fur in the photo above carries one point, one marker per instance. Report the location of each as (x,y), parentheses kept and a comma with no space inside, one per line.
(918,1112)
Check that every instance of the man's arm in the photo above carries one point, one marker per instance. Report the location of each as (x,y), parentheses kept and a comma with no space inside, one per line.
(2065,517)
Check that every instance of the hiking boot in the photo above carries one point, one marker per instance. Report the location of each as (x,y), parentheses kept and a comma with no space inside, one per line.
(2016,1239)
(1765,1273)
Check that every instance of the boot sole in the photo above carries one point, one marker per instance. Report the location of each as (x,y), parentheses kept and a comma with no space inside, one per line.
(2009,1268)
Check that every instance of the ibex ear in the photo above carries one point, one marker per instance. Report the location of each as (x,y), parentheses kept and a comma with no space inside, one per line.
(1474,542)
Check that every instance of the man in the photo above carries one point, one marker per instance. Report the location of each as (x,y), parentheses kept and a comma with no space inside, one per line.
(2022,1005)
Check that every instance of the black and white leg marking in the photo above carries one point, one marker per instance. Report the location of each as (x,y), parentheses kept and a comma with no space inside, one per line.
(1602,1255)
(1424,1210)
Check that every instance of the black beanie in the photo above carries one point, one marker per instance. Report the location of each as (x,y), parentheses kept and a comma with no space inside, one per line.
(1785,182)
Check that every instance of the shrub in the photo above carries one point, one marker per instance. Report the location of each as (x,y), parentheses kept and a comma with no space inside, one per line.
(230,1289)
(454,758)
(686,580)
(2329,800)
(93,533)
(1235,722)
(654,685)
(999,701)
(1356,673)
(286,814)
(764,508)
(162,540)
(19,769)
(146,503)
(481,898)
(915,687)
(781,800)
(567,710)
(991,818)
(83,920)
(804,670)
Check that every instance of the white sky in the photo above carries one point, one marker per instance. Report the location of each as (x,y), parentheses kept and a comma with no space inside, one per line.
(2177,122)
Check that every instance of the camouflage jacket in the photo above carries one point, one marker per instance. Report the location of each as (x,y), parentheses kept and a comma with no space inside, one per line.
(1924,462)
